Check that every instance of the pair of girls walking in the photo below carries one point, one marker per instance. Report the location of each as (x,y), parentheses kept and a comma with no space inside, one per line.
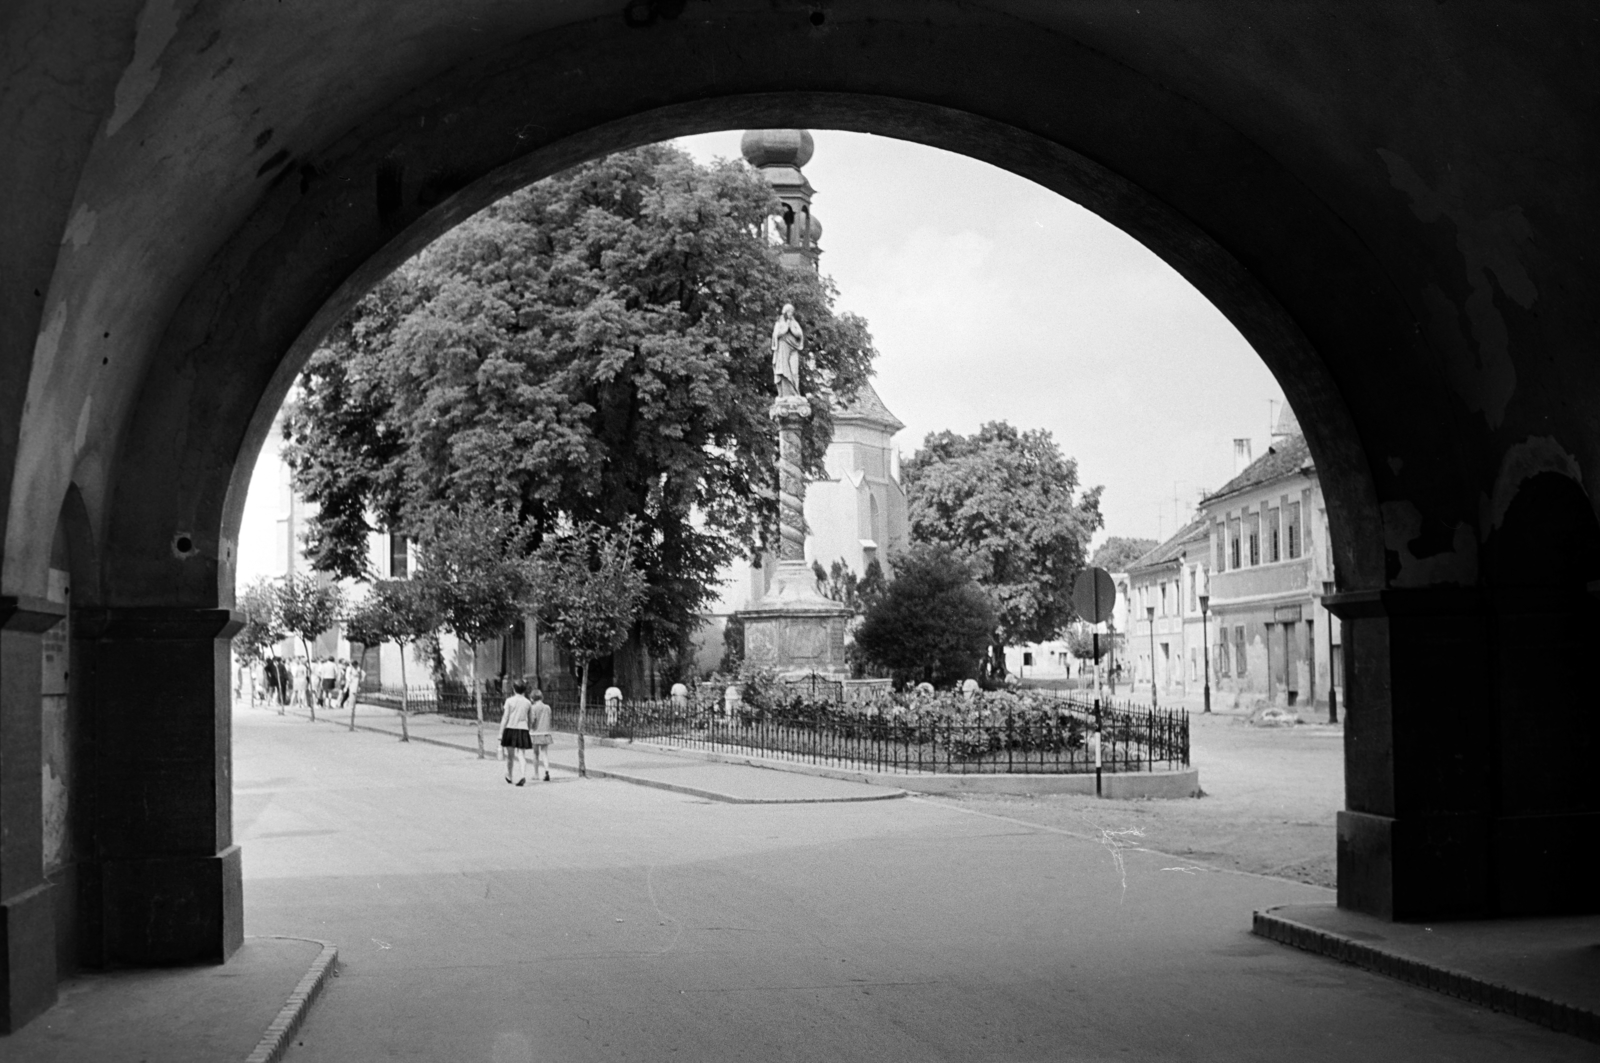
(525,725)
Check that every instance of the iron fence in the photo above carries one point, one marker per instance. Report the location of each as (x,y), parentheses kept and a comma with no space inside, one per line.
(1037,735)
(1053,740)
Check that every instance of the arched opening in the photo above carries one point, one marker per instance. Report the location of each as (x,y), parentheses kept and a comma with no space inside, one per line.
(1281,231)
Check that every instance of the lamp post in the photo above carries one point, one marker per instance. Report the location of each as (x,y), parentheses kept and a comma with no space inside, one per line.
(1205,646)
(1150,617)
(1333,691)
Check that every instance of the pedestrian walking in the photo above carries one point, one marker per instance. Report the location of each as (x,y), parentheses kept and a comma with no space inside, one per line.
(328,674)
(353,675)
(269,679)
(541,737)
(297,675)
(515,740)
(283,681)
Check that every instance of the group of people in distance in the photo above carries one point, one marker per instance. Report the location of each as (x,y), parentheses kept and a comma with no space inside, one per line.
(325,682)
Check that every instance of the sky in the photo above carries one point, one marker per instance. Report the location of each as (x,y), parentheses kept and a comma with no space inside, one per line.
(992,298)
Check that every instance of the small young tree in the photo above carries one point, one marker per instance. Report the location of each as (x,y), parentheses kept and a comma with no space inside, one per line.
(1081,641)
(474,571)
(409,615)
(588,591)
(366,624)
(263,626)
(308,608)
(933,621)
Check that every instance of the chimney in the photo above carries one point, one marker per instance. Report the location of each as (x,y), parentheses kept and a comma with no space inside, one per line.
(1241,455)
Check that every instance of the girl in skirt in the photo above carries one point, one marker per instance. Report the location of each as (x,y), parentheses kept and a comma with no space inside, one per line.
(514,737)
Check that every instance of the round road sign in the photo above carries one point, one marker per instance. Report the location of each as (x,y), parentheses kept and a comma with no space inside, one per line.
(1093,595)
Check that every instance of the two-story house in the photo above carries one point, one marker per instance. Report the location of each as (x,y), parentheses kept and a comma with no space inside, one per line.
(1270,562)
(1164,642)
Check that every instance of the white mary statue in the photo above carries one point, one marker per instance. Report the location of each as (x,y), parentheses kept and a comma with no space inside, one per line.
(787,342)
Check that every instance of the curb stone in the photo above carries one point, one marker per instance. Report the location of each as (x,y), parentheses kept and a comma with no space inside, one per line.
(275,1041)
(1552,1014)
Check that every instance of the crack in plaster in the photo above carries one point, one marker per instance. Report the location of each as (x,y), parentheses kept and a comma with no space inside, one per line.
(1490,245)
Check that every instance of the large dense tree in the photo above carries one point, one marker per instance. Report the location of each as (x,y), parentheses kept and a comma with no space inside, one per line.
(1120,551)
(1007,503)
(591,348)
(931,623)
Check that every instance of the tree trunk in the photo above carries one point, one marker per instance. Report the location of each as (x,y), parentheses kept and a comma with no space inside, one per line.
(997,663)
(313,684)
(351,694)
(583,704)
(477,696)
(405,697)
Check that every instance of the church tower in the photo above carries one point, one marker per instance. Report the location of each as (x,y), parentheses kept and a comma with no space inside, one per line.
(779,154)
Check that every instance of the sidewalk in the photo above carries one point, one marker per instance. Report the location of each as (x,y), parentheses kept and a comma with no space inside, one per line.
(1546,971)
(731,783)
(247,1009)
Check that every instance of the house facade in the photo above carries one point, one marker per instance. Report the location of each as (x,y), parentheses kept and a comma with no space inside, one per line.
(1164,644)
(1272,641)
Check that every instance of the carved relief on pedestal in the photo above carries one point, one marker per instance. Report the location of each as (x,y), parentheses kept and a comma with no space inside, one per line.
(761,644)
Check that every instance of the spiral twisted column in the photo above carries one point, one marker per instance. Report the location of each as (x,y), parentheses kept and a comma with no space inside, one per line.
(791,413)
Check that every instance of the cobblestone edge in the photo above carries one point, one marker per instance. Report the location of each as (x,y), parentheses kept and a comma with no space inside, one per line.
(1552,1014)
(275,1041)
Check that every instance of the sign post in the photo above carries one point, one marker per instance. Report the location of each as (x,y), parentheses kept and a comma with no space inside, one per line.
(1094,596)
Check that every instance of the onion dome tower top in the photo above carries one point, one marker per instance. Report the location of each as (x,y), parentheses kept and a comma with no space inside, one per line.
(777,147)
(779,154)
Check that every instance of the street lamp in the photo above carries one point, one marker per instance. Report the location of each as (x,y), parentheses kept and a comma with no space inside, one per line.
(1333,691)
(1150,616)
(1205,646)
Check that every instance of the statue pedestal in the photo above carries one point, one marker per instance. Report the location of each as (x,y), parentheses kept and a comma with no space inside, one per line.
(793,630)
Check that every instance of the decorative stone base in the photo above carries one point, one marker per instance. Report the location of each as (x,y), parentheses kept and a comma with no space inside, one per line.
(793,629)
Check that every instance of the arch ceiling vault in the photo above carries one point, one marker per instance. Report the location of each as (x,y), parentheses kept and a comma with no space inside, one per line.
(1395,206)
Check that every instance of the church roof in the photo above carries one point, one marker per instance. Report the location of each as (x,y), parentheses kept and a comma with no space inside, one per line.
(1284,457)
(868,407)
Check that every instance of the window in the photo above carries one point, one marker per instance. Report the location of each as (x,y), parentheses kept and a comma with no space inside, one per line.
(1222,653)
(399,560)
(1222,550)
(1233,541)
(1293,530)
(1027,658)
(1252,526)
(1273,552)
(1163,598)
(1194,602)
(1238,650)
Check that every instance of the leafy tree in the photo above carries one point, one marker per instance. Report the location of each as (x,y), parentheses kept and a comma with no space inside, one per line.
(1005,501)
(591,348)
(1081,641)
(732,645)
(840,584)
(263,626)
(1118,552)
(411,618)
(308,607)
(588,590)
(933,621)
(473,572)
(365,625)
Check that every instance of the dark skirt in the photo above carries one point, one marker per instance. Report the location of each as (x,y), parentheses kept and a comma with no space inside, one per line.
(516,738)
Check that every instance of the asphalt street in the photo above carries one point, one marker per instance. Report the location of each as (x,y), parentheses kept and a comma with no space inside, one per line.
(594,920)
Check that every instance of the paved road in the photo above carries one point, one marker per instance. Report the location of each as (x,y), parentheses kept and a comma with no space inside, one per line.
(590,919)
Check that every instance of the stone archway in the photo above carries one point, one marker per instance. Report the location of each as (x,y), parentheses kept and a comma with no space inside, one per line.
(238,184)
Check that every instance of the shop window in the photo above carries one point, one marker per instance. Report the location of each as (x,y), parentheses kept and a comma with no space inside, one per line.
(1238,651)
